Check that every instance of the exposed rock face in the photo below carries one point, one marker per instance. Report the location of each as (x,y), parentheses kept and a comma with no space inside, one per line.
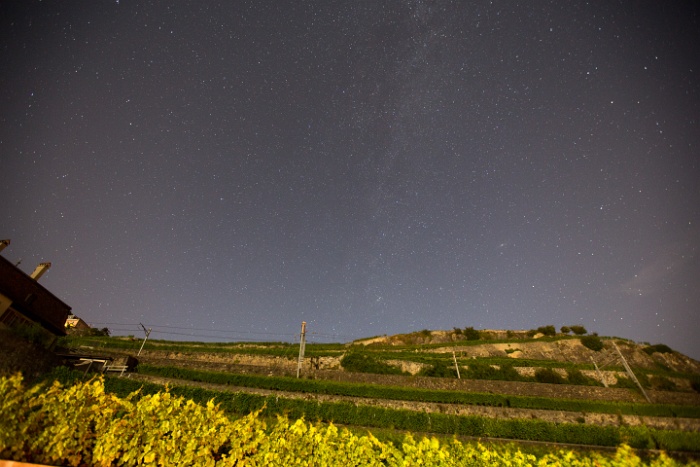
(565,350)
(677,362)
(409,367)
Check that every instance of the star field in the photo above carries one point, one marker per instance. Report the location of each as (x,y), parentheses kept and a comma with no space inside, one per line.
(225,170)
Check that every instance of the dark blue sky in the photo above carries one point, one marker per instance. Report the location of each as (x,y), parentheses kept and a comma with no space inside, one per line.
(225,170)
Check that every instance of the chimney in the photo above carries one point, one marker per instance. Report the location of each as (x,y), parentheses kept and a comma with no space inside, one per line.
(4,243)
(40,270)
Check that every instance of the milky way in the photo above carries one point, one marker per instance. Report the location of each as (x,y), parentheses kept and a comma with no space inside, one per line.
(225,170)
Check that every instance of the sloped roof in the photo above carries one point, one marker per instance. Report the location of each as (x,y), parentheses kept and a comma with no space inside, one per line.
(32,299)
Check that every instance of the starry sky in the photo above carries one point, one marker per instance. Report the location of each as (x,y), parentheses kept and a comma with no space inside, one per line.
(223,170)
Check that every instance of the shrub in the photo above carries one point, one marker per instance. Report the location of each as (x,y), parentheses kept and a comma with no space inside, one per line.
(89,332)
(364,363)
(549,330)
(578,378)
(479,370)
(472,334)
(624,382)
(547,375)
(643,379)
(695,384)
(663,384)
(439,370)
(593,342)
(578,329)
(660,348)
(565,329)
(509,373)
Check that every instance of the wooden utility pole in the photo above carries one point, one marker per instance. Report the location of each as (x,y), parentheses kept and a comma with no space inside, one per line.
(454,357)
(302,347)
(148,333)
(630,373)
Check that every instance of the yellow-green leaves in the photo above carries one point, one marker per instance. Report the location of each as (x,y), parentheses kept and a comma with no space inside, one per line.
(83,425)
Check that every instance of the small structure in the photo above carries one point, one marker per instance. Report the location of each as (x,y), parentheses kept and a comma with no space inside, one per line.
(73,323)
(101,363)
(23,301)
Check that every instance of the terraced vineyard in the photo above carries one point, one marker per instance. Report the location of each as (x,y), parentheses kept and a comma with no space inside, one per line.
(83,424)
(503,386)
(522,387)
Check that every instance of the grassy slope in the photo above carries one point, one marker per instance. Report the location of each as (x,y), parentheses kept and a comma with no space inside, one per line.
(287,351)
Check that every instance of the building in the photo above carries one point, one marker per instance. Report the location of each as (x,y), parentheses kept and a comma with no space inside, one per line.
(73,322)
(23,301)
(76,324)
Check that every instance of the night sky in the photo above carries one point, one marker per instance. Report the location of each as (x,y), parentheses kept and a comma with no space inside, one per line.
(223,170)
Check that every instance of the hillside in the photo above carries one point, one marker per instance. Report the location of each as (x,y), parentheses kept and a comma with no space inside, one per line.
(518,345)
(504,376)
(500,356)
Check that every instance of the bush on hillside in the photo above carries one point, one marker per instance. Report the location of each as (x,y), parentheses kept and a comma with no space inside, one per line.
(660,348)
(479,370)
(576,377)
(547,375)
(624,382)
(565,329)
(439,370)
(363,363)
(578,329)
(593,342)
(472,334)
(643,379)
(549,330)
(695,384)
(663,384)
(89,332)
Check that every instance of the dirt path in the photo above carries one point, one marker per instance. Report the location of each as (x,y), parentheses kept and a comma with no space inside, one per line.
(666,423)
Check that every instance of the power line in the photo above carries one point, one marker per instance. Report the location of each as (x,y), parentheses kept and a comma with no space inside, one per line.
(231,334)
(229,331)
(166,333)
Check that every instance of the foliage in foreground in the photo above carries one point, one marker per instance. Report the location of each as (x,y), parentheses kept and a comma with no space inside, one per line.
(82,424)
